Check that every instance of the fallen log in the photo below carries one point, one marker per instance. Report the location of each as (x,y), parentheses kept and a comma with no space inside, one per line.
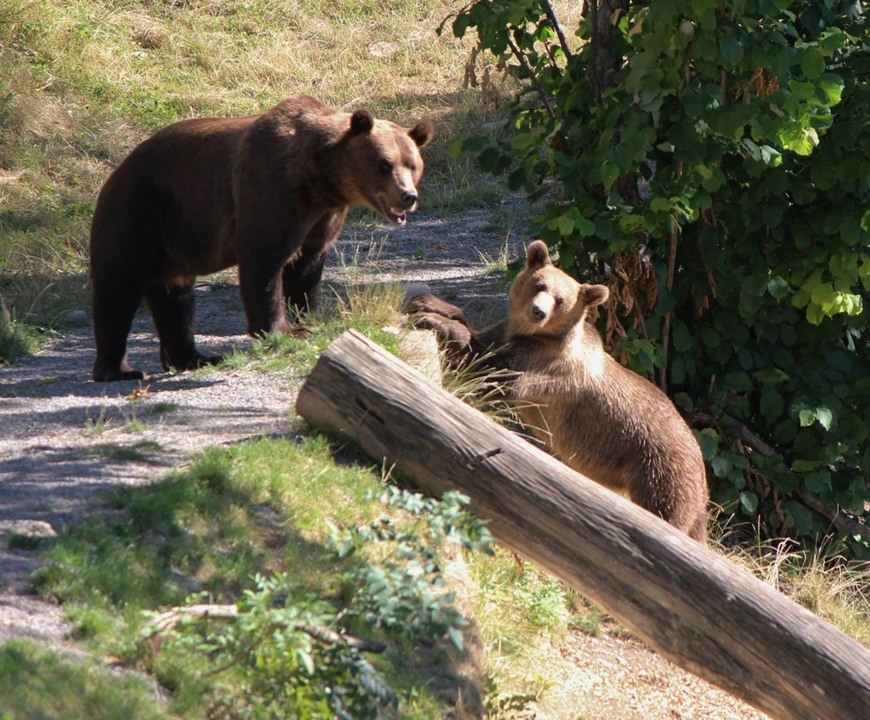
(694,607)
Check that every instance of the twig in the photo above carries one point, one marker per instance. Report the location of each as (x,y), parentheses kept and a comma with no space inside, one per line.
(528,68)
(534,78)
(165,621)
(558,28)
(666,324)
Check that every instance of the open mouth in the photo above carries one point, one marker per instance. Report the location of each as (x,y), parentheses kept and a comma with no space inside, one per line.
(400,217)
(397,216)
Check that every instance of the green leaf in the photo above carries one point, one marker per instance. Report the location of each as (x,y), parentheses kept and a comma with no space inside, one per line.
(461,24)
(739,381)
(609,174)
(784,433)
(749,502)
(801,140)
(800,518)
(731,49)
(771,376)
(710,336)
(813,63)
(850,231)
(709,441)
(825,417)
(772,404)
(817,482)
(721,466)
(455,637)
(681,337)
(584,226)
(660,204)
(771,215)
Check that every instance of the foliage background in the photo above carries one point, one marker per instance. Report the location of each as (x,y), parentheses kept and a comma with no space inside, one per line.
(711,162)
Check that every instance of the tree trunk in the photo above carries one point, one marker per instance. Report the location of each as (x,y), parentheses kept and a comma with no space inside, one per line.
(694,607)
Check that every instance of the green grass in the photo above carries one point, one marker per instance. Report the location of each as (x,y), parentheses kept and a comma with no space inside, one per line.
(372,309)
(37,684)
(258,507)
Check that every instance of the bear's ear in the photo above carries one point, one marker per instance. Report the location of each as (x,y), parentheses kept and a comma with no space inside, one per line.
(537,255)
(361,121)
(593,295)
(422,132)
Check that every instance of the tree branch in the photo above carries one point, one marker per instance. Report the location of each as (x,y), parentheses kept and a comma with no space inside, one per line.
(558,28)
(841,521)
(165,621)
(528,68)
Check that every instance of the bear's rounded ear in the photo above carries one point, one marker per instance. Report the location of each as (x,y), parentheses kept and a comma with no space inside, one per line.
(361,121)
(537,255)
(422,132)
(594,295)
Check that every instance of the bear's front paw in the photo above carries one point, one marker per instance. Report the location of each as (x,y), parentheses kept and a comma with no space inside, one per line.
(451,334)
(427,303)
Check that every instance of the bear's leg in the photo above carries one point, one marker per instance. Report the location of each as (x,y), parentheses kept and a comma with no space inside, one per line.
(698,530)
(673,502)
(301,282)
(115,301)
(260,287)
(173,309)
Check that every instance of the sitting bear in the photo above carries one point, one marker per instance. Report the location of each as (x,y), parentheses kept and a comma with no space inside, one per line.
(266,192)
(598,417)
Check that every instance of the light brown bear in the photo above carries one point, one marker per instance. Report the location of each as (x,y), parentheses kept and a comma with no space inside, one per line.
(266,192)
(597,416)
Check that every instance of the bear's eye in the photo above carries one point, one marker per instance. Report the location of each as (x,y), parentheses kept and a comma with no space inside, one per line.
(559,301)
(386,167)
(540,287)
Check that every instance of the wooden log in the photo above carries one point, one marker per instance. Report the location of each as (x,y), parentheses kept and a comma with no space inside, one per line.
(694,607)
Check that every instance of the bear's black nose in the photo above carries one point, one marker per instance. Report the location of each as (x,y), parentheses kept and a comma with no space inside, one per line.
(409,198)
(538,313)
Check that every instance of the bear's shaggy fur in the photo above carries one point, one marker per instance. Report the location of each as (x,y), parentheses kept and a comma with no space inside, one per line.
(597,416)
(266,192)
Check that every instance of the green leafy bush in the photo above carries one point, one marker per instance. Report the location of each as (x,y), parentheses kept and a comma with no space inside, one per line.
(293,650)
(711,163)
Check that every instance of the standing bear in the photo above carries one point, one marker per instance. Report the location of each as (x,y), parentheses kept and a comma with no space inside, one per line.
(266,192)
(598,417)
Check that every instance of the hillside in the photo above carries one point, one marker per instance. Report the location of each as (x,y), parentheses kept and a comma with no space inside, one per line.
(80,85)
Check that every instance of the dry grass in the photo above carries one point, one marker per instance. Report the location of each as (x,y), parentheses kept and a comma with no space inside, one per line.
(835,589)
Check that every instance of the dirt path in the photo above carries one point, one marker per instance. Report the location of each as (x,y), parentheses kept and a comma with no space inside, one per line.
(64,439)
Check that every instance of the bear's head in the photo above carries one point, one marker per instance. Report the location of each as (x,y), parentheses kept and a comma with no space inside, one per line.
(383,164)
(546,301)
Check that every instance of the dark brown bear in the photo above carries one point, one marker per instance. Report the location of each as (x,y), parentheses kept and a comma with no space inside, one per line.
(267,192)
(598,417)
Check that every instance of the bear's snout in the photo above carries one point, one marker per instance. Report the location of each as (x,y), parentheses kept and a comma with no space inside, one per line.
(540,308)
(396,204)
